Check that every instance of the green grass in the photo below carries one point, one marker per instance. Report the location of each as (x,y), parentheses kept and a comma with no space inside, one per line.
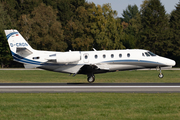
(90,106)
(34,76)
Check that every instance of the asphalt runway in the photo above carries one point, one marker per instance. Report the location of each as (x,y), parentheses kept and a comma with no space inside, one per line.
(89,87)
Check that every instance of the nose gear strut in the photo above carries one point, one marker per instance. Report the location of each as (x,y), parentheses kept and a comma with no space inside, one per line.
(160,74)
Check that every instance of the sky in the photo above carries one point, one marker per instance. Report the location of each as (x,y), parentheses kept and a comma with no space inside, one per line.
(120,5)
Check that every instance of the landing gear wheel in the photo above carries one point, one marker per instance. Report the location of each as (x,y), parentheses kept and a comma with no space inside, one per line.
(160,75)
(91,79)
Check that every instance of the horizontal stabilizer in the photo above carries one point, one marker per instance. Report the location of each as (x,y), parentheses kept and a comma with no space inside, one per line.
(22,51)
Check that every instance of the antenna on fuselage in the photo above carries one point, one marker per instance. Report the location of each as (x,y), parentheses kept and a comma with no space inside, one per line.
(94,49)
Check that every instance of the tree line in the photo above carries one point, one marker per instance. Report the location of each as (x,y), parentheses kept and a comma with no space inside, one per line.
(61,25)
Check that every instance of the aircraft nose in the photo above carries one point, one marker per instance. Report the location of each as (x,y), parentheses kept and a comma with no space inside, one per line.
(170,62)
(167,61)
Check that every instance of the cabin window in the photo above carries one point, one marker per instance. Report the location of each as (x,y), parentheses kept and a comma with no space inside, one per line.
(120,55)
(112,55)
(96,56)
(86,57)
(142,54)
(147,54)
(128,55)
(36,57)
(104,56)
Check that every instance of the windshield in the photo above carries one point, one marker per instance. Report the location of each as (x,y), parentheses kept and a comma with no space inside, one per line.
(152,54)
(147,54)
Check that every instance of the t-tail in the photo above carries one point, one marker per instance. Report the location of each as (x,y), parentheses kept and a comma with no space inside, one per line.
(19,47)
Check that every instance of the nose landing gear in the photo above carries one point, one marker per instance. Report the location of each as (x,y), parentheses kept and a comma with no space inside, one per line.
(160,74)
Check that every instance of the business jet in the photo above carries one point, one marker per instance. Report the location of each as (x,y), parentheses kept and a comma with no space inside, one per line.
(84,62)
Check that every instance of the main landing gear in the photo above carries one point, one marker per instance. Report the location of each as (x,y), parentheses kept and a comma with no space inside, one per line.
(91,78)
(160,74)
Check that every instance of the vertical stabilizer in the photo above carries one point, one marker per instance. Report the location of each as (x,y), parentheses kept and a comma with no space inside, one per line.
(20,49)
(17,42)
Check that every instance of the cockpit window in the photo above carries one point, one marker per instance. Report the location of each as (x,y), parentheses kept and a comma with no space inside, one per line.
(147,54)
(142,54)
(152,54)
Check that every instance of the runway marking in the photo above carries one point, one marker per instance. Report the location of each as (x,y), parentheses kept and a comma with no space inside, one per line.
(41,87)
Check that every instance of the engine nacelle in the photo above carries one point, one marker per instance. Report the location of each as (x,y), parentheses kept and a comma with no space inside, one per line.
(68,57)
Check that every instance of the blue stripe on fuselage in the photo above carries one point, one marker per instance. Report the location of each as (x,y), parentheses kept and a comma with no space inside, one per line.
(24,60)
(131,61)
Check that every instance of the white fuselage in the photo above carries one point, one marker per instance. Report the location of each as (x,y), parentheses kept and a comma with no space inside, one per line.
(105,60)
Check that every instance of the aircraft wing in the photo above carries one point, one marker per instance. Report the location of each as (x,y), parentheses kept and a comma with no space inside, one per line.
(92,68)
